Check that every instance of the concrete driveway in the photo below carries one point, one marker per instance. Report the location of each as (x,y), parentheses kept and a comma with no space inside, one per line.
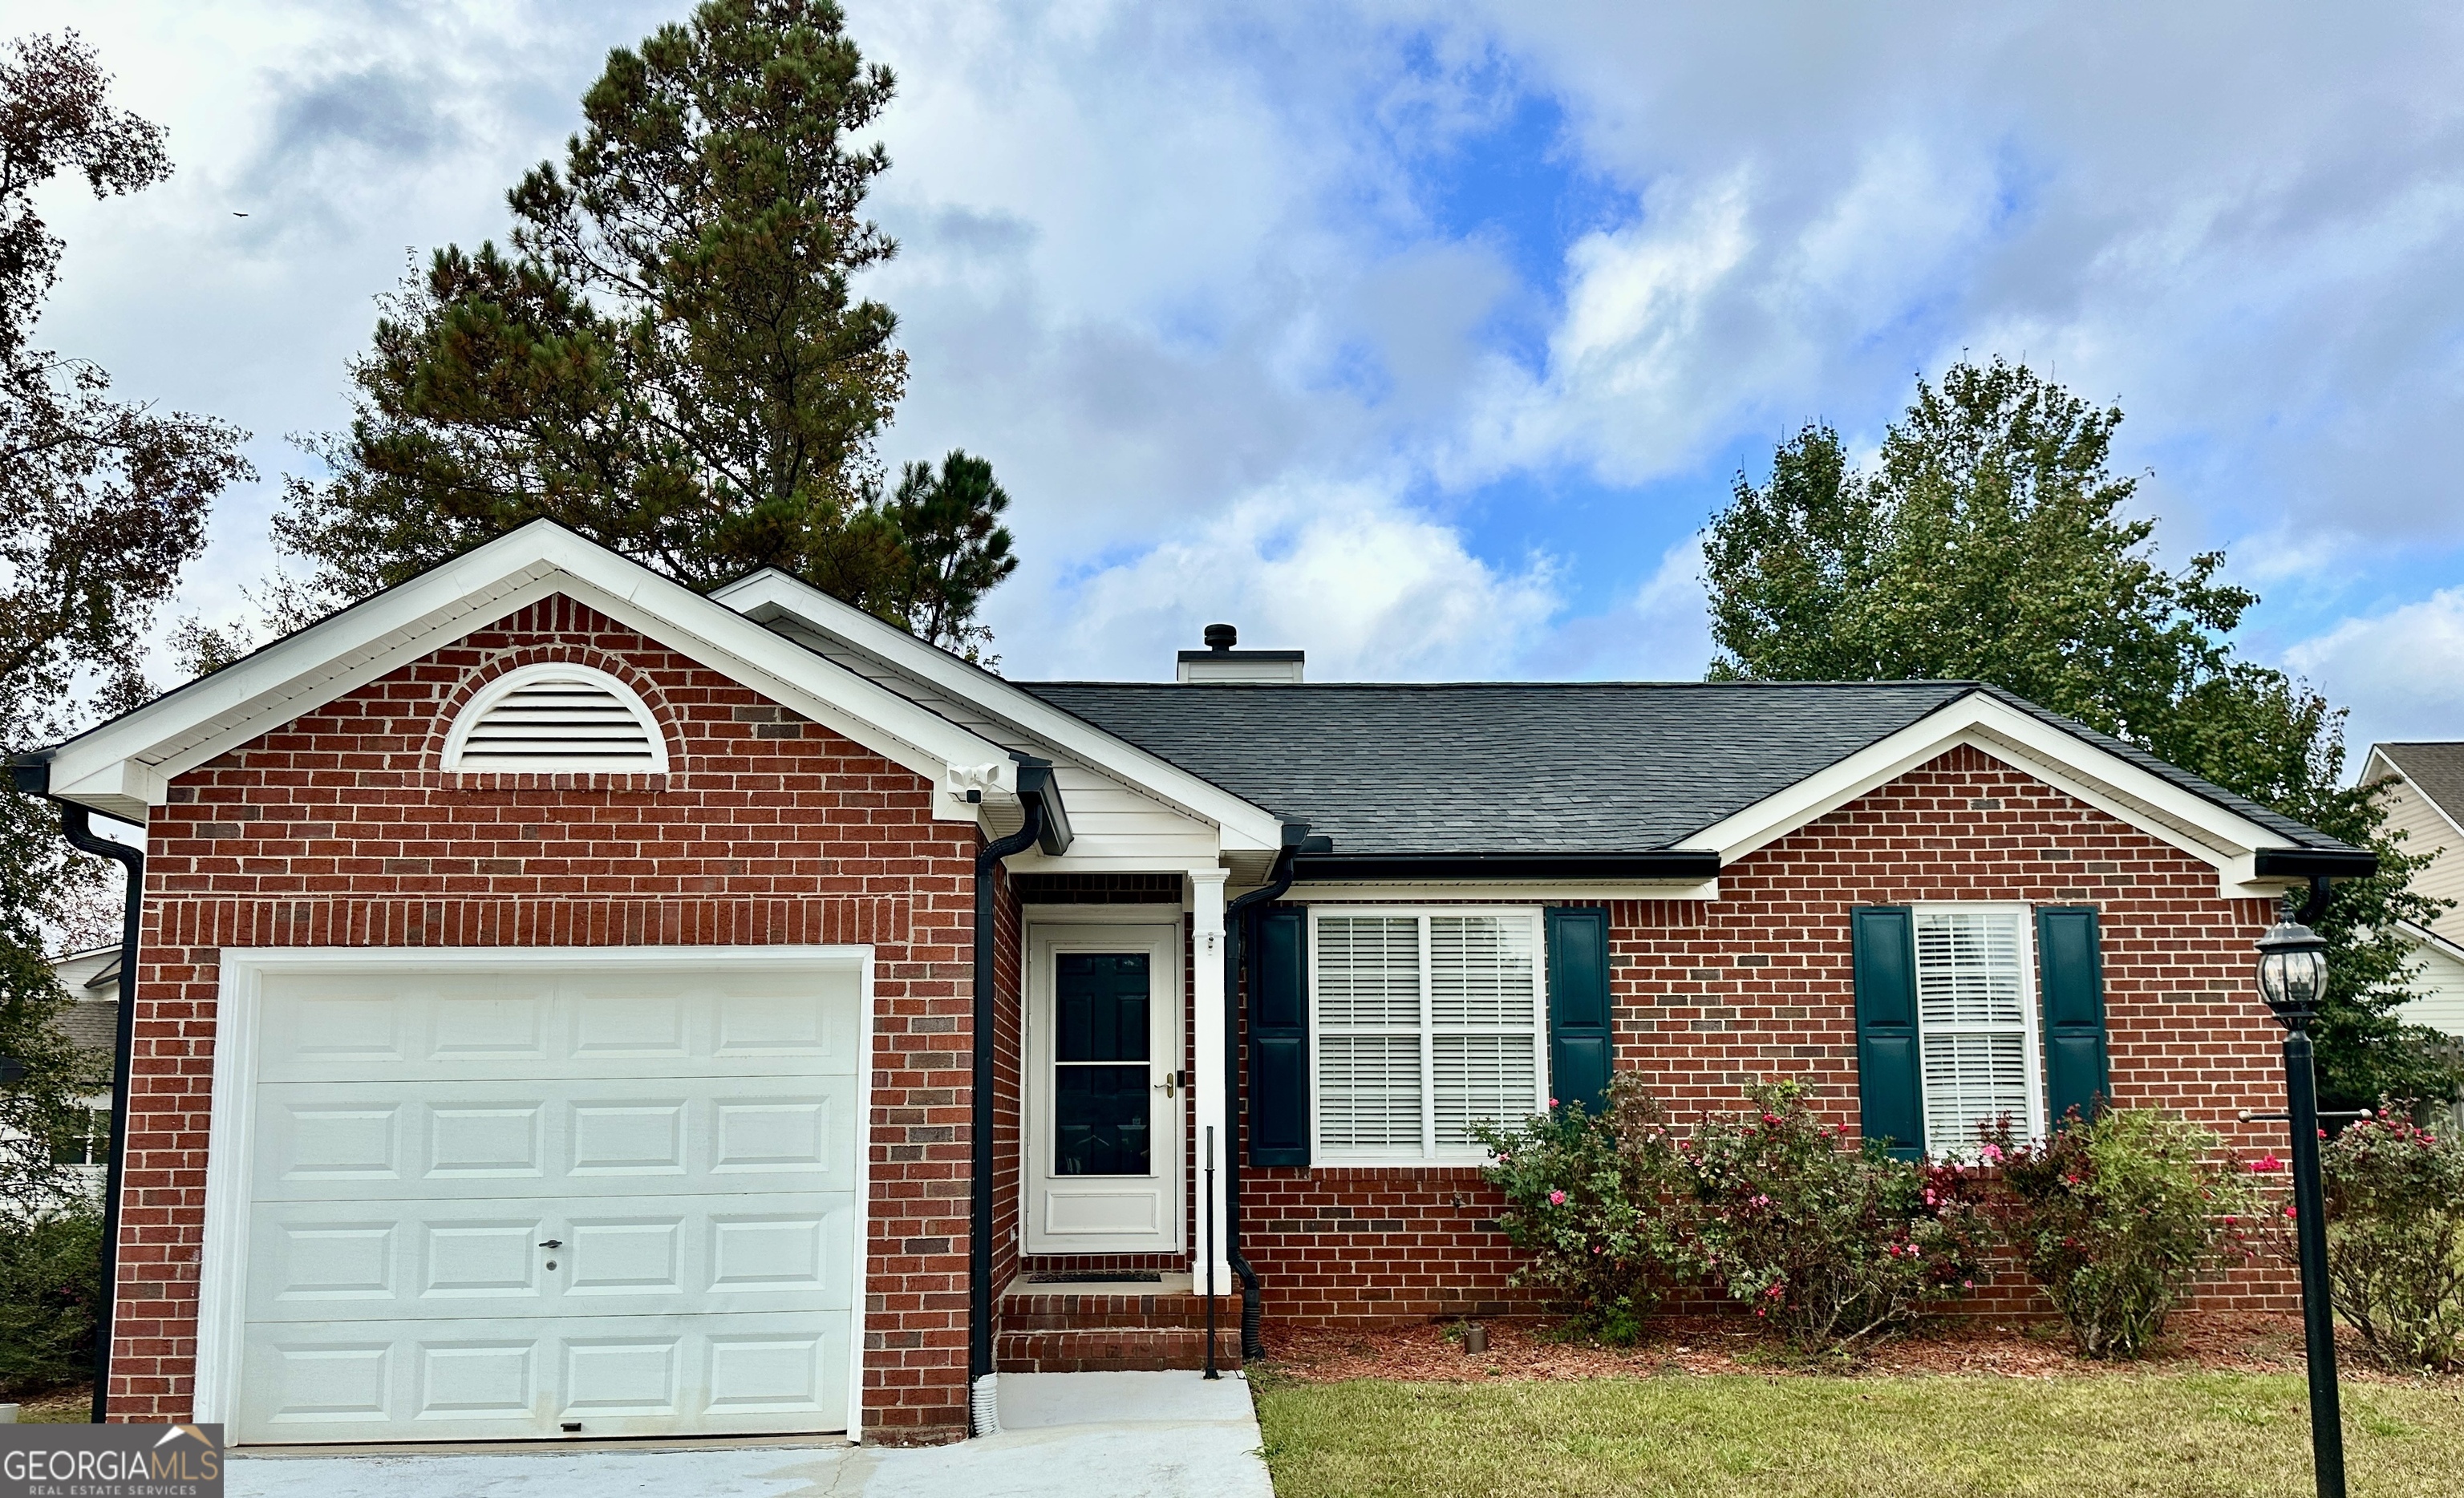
(1128,1434)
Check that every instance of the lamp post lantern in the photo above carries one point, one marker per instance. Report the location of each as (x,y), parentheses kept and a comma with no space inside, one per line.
(2292,978)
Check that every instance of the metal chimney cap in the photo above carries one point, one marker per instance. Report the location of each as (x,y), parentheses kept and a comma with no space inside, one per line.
(1221,638)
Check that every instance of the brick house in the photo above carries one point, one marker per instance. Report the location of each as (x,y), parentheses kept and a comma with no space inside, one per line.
(572,1004)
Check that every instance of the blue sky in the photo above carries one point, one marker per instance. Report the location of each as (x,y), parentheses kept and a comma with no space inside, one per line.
(1426,336)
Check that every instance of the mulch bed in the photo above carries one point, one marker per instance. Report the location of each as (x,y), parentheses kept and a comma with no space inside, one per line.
(1540,1350)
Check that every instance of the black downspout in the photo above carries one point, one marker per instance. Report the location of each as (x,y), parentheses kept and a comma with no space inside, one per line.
(1235,919)
(75,827)
(980,1143)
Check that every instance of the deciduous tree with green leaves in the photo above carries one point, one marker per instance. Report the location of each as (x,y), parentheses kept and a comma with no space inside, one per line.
(670,356)
(102,501)
(1989,542)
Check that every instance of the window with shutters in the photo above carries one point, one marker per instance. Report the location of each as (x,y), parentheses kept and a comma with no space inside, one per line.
(556,717)
(1976,1024)
(1426,1022)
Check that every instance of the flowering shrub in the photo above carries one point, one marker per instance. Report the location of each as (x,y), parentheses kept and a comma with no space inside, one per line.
(2115,1219)
(1590,1198)
(2395,1241)
(1828,1242)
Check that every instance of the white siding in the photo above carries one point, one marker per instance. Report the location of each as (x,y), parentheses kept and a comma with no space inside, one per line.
(1112,821)
(2427,831)
(2439,979)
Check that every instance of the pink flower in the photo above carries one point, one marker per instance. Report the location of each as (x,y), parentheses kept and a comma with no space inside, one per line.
(1992,1153)
(2290,1210)
(2266,1164)
(1557,1198)
(1553,1102)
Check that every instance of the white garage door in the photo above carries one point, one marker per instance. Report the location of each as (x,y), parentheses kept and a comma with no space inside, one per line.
(614,1197)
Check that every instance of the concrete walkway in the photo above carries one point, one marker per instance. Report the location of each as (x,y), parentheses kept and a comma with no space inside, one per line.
(1125,1435)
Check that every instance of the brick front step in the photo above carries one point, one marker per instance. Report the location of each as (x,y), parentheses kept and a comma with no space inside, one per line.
(1053,1327)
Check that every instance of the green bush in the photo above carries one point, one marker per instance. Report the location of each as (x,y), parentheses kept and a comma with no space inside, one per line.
(2117,1217)
(50,1272)
(2395,1241)
(1832,1242)
(1590,1198)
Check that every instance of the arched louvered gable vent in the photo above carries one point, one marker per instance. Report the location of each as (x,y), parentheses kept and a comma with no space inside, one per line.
(556,717)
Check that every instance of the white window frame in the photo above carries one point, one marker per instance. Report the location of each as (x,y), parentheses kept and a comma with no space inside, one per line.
(511,681)
(1430,1153)
(2031,1021)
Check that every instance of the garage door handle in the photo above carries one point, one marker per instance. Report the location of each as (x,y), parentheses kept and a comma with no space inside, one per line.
(553,1243)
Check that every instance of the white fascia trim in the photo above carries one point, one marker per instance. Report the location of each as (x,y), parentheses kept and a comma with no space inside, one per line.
(2380,755)
(771,594)
(123,767)
(1491,891)
(2107,782)
(2423,935)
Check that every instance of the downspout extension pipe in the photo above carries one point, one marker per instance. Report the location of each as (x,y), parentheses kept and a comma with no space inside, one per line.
(983,1422)
(1278,880)
(33,777)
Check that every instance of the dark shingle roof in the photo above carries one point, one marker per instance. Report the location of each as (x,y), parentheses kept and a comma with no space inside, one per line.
(2435,768)
(1539,768)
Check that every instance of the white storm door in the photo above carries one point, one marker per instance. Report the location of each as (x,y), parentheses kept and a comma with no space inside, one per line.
(1105,1102)
(589,1197)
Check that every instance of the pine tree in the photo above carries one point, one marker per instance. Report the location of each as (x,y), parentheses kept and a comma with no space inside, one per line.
(669,357)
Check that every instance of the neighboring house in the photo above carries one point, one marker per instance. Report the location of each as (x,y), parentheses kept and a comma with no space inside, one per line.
(92,1020)
(559,1007)
(2424,800)
(92,1023)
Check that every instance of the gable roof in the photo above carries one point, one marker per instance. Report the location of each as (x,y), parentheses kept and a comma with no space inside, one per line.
(123,767)
(1502,767)
(1591,769)
(2435,768)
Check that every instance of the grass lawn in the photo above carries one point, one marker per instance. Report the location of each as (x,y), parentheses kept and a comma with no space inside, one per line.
(2161,1435)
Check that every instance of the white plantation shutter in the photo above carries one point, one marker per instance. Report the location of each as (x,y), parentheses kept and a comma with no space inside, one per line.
(1427,1025)
(556,717)
(1369,1093)
(1369,971)
(1975,1024)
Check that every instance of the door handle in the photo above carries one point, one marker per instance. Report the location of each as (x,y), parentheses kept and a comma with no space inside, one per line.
(553,1243)
(1170,1079)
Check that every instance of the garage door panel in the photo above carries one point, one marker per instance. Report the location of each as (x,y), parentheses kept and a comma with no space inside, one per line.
(603,1022)
(320,1260)
(685,1135)
(541,1140)
(630,1375)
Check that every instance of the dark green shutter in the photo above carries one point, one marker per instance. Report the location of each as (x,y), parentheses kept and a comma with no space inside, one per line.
(2071,968)
(1580,1047)
(1279,1038)
(1890,1083)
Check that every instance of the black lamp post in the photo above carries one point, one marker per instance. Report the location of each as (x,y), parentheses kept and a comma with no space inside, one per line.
(2292,977)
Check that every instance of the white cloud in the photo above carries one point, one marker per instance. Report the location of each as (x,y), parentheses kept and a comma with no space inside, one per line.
(1369,590)
(2401,672)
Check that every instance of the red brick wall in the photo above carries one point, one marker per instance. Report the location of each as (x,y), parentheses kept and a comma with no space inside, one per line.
(1713,996)
(340,829)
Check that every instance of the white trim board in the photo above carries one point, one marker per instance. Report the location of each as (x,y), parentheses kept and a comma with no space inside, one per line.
(2222,839)
(771,595)
(123,767)
(222,1271)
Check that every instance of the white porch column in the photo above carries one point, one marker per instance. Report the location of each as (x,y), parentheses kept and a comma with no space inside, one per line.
(1206,959)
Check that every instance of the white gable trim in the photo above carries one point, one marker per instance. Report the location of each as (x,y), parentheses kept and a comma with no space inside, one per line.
(771,595)
(123,767)
(2222,839)
(2378,756)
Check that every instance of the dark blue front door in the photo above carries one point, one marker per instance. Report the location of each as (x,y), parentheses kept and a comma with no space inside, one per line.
(1101,1081)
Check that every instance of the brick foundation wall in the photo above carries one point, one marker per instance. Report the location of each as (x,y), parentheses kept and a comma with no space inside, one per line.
(340,829)
(1714,996)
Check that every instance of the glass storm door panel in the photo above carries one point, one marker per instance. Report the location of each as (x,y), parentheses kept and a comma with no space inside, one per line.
(1103,1075)
(1106,1146)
